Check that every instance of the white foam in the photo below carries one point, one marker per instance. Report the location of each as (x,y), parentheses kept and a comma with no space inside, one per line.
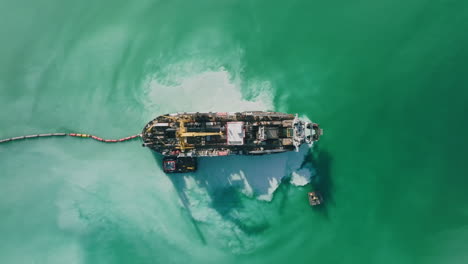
(203,92)
(273,185)
(301,177)
(242,182)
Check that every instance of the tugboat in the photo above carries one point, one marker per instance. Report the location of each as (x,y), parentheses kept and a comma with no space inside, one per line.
(182,137)
(315,198)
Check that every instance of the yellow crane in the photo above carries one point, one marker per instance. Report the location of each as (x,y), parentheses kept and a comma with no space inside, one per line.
(182,134)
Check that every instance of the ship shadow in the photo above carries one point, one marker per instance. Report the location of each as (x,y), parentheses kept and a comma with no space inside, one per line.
(179,184)
(322,181)
(282,194)
(231,179)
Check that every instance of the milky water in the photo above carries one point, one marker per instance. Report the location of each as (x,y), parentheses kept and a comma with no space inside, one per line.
(385,79)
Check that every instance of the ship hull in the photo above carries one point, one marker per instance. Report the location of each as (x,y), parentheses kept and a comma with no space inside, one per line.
(222,134)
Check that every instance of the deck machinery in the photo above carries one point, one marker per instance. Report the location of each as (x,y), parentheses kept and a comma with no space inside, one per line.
(182,137)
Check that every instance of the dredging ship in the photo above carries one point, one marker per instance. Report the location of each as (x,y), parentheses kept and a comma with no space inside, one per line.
(182,137)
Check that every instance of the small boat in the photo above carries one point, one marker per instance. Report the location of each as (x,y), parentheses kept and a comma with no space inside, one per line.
(177,165)
(315,198)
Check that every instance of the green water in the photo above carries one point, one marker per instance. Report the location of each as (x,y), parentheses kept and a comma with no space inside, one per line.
(387,80)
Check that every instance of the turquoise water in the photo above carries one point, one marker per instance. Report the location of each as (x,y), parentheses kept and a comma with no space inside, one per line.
(387,80)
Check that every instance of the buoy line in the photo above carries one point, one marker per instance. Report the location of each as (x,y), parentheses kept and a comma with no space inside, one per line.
(71,135)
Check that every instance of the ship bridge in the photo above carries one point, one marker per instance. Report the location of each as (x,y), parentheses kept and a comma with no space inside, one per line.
(235,133)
